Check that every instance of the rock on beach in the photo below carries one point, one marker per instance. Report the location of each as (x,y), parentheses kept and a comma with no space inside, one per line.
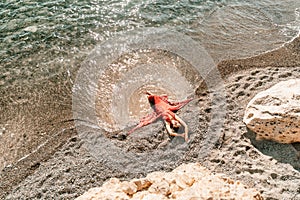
(274,114)
(188,181)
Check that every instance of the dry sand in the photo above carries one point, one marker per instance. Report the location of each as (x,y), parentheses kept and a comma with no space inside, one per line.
(62,168)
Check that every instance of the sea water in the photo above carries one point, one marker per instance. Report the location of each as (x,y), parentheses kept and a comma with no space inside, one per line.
(41,39)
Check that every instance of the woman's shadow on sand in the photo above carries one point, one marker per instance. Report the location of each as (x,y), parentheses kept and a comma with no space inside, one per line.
(284,153)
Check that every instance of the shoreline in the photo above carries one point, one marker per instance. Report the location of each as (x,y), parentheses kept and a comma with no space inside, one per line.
(287,56)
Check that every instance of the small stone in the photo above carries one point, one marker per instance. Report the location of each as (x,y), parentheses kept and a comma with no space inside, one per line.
(154,197)
(103,194)
(128,187)
(173,189)
(2,131)
(181,183)
(184,181)
(160,187)
(170,177)
(111,182)
(32,29)
(142,183)
(155,176)
(140,195)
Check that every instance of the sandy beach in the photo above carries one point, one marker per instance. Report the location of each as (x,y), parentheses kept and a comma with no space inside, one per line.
(55,163)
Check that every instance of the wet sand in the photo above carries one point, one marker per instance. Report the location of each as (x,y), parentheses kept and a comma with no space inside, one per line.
(63,168)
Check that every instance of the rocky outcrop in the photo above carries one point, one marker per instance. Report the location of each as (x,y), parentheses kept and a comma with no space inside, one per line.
(274,114)
(188,181)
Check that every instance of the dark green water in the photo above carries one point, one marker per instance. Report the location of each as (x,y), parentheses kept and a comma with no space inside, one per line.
(41,39)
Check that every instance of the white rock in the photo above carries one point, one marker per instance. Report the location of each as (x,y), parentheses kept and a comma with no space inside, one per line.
(32,29)
(129,188)
(160,186)
(141,183)
(274,114)
(186,182)
(102,194)
(154,197)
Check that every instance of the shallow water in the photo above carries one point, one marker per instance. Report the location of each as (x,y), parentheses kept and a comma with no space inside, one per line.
(42,39)
(141,74)
(43,44)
